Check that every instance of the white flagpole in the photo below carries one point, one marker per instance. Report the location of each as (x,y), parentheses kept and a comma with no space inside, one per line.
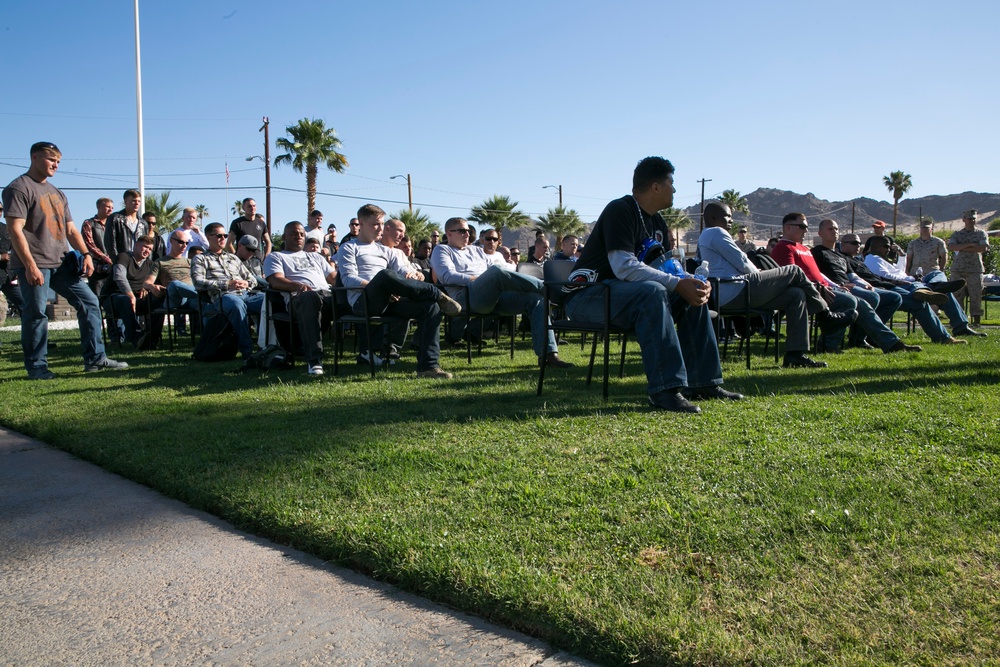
(138,112)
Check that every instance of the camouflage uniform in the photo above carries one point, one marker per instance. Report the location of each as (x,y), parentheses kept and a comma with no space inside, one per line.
(969,265)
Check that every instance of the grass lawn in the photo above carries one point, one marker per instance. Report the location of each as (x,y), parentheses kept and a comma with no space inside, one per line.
(842,516)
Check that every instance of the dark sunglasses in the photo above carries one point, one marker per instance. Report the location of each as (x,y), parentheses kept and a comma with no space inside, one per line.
(850,243)
(180,241)
(459,231)
(494,239)
(799,225)
(219,236)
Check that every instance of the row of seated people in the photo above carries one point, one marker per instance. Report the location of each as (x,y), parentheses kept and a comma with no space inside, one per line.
(832,282)
(392,285)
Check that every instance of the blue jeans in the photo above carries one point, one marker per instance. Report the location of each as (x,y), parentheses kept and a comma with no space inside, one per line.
(181,295)
(928,321)
(511,293)
(951,308)
(35,323)
(884,302)
(881,335)
(685,356)
(125,320)
(237,306)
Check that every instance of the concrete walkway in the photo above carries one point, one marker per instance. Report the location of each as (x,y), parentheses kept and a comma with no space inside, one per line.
(97,570)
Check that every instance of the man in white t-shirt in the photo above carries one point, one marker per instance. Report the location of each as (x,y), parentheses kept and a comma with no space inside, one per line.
(391,287)
(305,278)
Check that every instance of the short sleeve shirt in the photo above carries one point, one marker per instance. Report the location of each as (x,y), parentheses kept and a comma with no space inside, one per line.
(925,253)
(623,225)
(256,228)
(964,259)
(46,214)
(310,268)
(168,269)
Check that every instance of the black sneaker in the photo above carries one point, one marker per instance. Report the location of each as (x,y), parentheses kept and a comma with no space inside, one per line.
(800,360)
(105,364)
(672,401)
(715,391)
(42,374)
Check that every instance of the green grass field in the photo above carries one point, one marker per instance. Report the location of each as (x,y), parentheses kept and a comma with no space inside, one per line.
(843,516)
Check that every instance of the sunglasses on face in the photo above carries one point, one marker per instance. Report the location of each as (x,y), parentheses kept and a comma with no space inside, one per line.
(800,226)
(850,242)
(459,231)
(179,241)
(491,239)
(219,236)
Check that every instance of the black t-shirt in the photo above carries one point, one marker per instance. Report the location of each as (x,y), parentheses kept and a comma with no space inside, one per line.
(623,225)
(256,228)
(832,264)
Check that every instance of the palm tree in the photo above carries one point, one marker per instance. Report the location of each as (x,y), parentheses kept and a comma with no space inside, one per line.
(676,220)
(202,212)
(167,213)
(560,222)
(499,212)
(898,183)
(312,143)
(238,208)
(418,225)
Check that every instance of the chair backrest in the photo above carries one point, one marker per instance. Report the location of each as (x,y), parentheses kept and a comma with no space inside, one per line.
(532,269)
(557,271)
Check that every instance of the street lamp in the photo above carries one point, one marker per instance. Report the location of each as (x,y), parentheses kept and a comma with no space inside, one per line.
(409,188)
(555,187)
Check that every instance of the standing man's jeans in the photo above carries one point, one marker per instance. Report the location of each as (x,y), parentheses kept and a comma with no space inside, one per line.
(685,356)
(512,293)
(35,323)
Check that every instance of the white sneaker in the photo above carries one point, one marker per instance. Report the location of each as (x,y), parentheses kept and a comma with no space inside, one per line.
(363,359)
(315,369)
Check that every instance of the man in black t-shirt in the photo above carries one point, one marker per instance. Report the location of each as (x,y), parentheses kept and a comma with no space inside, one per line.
(249,224)
(680,363)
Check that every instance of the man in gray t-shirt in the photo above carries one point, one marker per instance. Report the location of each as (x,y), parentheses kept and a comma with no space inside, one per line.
(40,224)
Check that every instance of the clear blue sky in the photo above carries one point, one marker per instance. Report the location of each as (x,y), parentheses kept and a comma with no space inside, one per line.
(477,98)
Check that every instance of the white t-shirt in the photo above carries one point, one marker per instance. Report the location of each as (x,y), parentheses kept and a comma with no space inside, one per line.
(308,268)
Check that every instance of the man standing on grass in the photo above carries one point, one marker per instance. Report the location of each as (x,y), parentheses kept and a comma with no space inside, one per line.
(39,223)
(786,288)
(969,245)
(305,278)
(681,361)
(926,253)
(125,226)
(250,223)
(93,235)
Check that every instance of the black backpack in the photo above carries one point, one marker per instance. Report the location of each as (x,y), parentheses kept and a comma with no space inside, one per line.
(218,340)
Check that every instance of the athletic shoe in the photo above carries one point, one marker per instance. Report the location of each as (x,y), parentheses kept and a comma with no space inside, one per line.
(900,346)
(715,391)
(947,287)
(449,306)
(672,401)
(363,359)
(315,369)
(434,374)
(105,364)
(800,360)
(930,296)
(43,374)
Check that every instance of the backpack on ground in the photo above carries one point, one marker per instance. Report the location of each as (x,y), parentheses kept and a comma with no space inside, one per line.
(218,340)
(271,358)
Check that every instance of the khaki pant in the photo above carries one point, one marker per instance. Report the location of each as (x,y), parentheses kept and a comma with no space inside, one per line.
(974,285)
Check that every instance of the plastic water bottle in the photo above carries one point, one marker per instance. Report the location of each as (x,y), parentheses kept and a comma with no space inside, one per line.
(701,273)
(919,273)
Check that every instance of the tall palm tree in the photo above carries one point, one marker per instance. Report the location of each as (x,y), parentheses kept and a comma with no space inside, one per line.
(168,213)
(676,220)
(898,183)
(202,212)
(238,208)
(561,221)
(499,212)
(418,225)
(311,144)
(736,202)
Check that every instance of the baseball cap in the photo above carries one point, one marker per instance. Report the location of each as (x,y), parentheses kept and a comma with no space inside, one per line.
(927,223)
(878,223)
(971,213)
(250,243)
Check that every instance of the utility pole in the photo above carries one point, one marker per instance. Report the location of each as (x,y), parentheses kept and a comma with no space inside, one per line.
(409,189)
(852,217)
(702,221)
(267,172)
